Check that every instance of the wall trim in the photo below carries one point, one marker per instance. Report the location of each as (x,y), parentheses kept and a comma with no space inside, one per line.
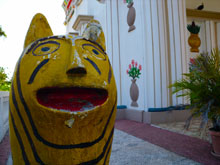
(153,117)
(203,14)
(80,20)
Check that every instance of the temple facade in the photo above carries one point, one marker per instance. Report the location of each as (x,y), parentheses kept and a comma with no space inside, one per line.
(150,36)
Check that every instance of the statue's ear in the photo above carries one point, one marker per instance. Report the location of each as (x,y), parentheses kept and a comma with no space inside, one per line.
(39,28)
(94,32)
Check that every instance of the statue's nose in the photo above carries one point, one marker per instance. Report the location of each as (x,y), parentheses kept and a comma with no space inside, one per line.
(78,70)
(75,65)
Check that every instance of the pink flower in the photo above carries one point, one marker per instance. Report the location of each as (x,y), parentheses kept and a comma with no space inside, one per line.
(129,66)
(192,60)
(140,67)
(132,62)
(127,71)
(136,64)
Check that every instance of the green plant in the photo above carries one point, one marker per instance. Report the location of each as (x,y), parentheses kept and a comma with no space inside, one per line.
(134,70)
(202,86)
(128,1)
(2,33)
(4,83)
(193,28)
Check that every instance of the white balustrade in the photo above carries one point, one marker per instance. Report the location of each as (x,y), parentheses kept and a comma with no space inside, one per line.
(4,113)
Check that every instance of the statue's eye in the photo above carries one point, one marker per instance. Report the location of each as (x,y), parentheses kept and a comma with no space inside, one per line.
(94,51)
(46,48)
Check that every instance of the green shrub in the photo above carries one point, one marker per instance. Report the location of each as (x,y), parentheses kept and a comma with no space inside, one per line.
(4,83)
(202,86)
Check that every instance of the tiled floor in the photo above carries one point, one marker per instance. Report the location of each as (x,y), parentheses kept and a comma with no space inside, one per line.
(194,129)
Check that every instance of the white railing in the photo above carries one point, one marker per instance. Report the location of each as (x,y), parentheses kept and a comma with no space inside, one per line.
(4,109)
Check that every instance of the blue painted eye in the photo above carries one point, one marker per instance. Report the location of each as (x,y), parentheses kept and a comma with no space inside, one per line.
(95,51)
(45,49)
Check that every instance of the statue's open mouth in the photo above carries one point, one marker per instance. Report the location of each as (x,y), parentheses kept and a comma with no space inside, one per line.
(71,99)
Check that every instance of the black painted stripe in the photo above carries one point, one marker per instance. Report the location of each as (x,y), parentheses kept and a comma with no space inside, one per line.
(94,65)
(109,73)
(101,51)
(19,140)
(46,53)
(34,73)
(36,156)
(96,43)
(95,161)
(40,40)
(106,156)
(31,47)
(38,136)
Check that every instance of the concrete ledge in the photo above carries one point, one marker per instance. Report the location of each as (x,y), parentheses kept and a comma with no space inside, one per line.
(166,117)
(153,117)
(135,115)
(130,114)
(4,109)
(120,114)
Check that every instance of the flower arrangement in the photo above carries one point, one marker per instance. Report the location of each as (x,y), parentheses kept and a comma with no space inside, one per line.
(128,1)
(193,28)
(134,70)
(202,86)
(101,1)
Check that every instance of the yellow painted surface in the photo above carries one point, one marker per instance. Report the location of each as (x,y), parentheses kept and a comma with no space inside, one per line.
(44,31)
(43,135)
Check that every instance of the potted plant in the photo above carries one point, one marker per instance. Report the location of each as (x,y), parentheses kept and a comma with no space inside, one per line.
(202,86)
(194,40)
(134,72)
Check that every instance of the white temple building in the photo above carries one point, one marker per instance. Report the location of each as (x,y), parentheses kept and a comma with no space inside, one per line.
(159,42)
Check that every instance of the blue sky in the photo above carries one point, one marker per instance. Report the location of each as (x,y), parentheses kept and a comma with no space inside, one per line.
(15,18)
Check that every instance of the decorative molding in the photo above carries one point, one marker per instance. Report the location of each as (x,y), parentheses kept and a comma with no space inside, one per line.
(73,33)
(203,14)
(78,2)
(131,17)
(101,1)
(80,20)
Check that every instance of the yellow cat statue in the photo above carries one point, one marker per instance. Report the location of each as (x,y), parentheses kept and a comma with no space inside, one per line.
(63,98)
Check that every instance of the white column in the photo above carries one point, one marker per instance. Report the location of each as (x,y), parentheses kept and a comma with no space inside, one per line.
(113,44)
(149,57)
(218,34)
(210,35)
(166,49)
(177,39)
(156,58)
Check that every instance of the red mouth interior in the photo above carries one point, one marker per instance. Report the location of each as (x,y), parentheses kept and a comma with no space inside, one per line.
(71,99)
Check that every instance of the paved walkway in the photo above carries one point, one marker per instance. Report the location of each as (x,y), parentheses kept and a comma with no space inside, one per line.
(4,149)
(140,144)
(129,150)
(183,145)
